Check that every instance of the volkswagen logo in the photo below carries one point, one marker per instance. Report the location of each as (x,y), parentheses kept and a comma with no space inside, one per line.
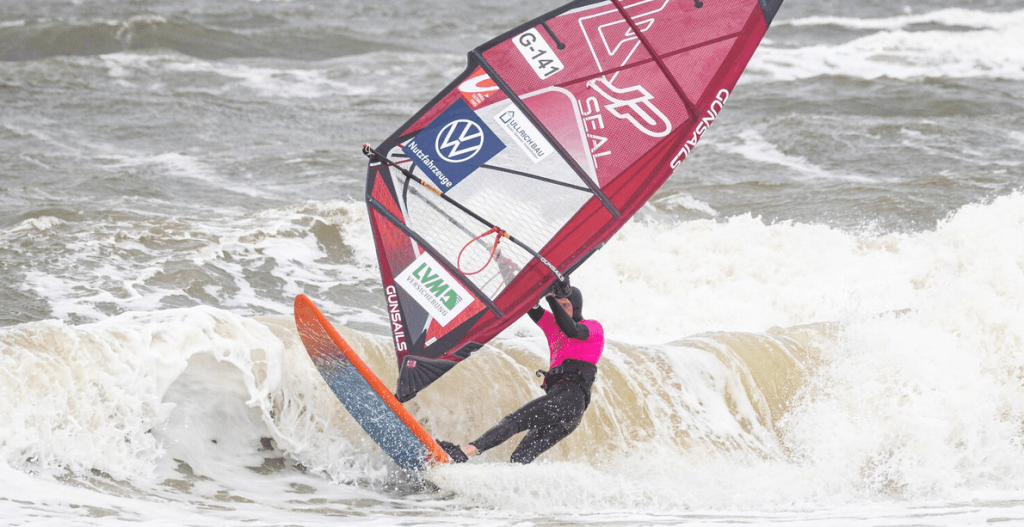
(459,141)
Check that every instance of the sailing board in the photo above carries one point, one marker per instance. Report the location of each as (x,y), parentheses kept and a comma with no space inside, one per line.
(555,134)
(383,418)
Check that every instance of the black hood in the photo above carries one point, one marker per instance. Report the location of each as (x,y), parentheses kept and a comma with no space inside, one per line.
(576,299)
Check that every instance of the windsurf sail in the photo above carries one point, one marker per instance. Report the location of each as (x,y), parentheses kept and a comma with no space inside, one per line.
(556,133)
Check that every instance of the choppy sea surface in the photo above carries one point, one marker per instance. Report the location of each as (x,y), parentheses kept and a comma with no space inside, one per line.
(819,320)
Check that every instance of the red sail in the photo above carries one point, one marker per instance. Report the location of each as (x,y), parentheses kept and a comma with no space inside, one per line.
(556,133)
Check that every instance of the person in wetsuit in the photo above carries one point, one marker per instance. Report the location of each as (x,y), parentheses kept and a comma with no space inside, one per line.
(576,345)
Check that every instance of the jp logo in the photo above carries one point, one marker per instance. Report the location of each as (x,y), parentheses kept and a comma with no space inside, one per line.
(635,105)
(459,141)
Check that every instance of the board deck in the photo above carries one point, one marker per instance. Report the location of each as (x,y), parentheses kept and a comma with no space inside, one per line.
(375,408)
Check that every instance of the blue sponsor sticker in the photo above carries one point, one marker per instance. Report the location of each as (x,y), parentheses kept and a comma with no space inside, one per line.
(452,146)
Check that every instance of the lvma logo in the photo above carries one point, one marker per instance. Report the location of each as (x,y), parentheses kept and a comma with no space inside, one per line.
(459,141)
(436,291)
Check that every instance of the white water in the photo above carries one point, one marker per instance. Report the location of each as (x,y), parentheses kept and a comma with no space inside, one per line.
(897,358)
(958,43)
(794,338)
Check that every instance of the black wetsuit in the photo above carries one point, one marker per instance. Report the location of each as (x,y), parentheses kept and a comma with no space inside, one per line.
(551,417)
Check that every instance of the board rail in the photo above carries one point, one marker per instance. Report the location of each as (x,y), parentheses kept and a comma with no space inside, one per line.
(363,394)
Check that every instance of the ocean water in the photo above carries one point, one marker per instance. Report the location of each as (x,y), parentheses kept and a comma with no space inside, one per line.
(819,320)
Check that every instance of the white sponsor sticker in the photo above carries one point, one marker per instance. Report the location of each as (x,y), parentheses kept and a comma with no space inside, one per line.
(524,133)
(434,289)
(538,53)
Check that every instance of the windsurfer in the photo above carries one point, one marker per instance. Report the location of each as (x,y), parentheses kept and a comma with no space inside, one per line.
(576,345)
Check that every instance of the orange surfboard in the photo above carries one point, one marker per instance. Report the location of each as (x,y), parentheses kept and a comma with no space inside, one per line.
(372,405)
